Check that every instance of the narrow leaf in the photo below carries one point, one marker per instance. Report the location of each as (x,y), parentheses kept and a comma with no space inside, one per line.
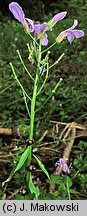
(23,158)
(42,166)
(32,188)
(9,178)
(30,156)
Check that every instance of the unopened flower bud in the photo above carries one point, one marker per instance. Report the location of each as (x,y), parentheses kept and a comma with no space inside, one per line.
(60,37)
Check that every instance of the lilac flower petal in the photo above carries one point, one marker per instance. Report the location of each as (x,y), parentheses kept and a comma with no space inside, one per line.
(41,69)
(43,26)
(20,16)
(74,25)
(55,19)
(59,16)
(62,165)
(31,23)
(78,33)
(61,161)
(57,170)
(70,36)
(44,41)
(65,167)
(74,33)
(70,33)
(39,28)
(35,36)
(68,170)
(17,12)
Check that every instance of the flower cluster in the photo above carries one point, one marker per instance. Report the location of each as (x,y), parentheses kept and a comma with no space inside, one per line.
(61,165)
(41,29)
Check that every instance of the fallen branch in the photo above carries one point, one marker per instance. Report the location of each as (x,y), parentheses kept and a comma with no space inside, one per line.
(81,130)
(10,132)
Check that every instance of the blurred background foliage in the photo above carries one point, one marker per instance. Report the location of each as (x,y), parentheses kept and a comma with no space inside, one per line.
(70,101)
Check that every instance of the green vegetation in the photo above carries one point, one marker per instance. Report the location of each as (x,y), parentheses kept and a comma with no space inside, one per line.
(67,105)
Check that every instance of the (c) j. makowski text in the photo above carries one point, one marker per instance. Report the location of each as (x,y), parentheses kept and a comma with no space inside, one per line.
(46,207)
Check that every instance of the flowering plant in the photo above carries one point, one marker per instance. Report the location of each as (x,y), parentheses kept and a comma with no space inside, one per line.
(38,34)
(62,165)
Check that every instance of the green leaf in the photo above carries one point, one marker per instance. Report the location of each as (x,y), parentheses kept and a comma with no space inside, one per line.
(23,158)
(72,191)
(75,162)
(30,156)
(68,181)
(42,166)
(25,155)
(9,178)
(18,197)
(54,179)
(32,188)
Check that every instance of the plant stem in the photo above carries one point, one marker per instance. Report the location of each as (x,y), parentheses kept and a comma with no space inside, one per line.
(16,78)
(56,62)
(43,82)
(26,104)
(68,191)
(51,94)
(32,114)
(7,87)
(33,108)
(49,47)
(33,39)
(22,62)
(33,101)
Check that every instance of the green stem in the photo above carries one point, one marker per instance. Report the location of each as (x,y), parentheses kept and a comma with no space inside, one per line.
(33,102)
(51,94)
(33,108)
(7,87)
(33,39)
(22,62)
(43,82)
(15,76)
(68,191)
(26,104)
(56,62)
(46,64)
(49,47)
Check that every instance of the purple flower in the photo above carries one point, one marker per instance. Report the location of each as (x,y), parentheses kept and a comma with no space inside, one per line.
(56,18)
(40,29)
(62,165)
(20,16)
(70,33)
(41,69)
(40,33)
